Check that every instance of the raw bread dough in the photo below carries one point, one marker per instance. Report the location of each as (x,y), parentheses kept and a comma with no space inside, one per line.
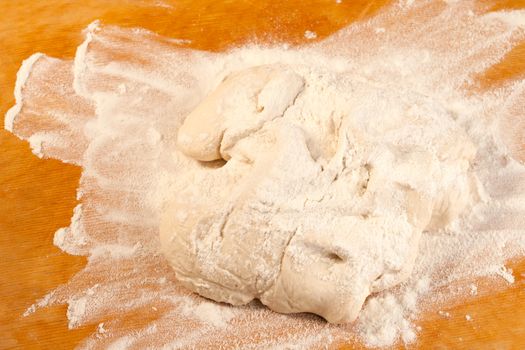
(294,196)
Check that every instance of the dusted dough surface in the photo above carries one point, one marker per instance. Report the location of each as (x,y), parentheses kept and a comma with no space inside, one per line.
(298,196)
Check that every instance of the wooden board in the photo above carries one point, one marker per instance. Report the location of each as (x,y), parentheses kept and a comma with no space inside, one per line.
(37,196)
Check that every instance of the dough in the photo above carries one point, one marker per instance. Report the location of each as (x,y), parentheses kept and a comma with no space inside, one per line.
(293,196)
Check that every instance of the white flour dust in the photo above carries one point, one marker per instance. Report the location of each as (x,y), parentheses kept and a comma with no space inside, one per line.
(114,111)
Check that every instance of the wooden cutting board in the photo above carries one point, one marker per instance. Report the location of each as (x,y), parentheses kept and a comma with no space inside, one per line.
(37,196)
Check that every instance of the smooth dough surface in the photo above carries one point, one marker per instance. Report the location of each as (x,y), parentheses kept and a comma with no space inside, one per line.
(299,196)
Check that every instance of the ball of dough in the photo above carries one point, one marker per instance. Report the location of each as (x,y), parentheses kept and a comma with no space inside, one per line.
(316,207)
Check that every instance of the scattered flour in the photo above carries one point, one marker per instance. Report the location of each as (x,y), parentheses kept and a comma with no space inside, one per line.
(116,118)
(444,314)
(310,35)
(100,328)
(75,311)
(21,77)
(505,273)
(209,312)
(473,289)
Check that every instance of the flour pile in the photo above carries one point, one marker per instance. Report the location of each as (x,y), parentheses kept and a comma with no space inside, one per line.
(116,111)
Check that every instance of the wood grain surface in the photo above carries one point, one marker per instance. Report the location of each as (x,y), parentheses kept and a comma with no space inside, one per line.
(37,196)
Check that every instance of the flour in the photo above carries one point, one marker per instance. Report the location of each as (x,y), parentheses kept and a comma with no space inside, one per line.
(75,311)
(100,328)
(115,111)
(21,76)
(473,289)
(310,35)
(209,312)
(505,273)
